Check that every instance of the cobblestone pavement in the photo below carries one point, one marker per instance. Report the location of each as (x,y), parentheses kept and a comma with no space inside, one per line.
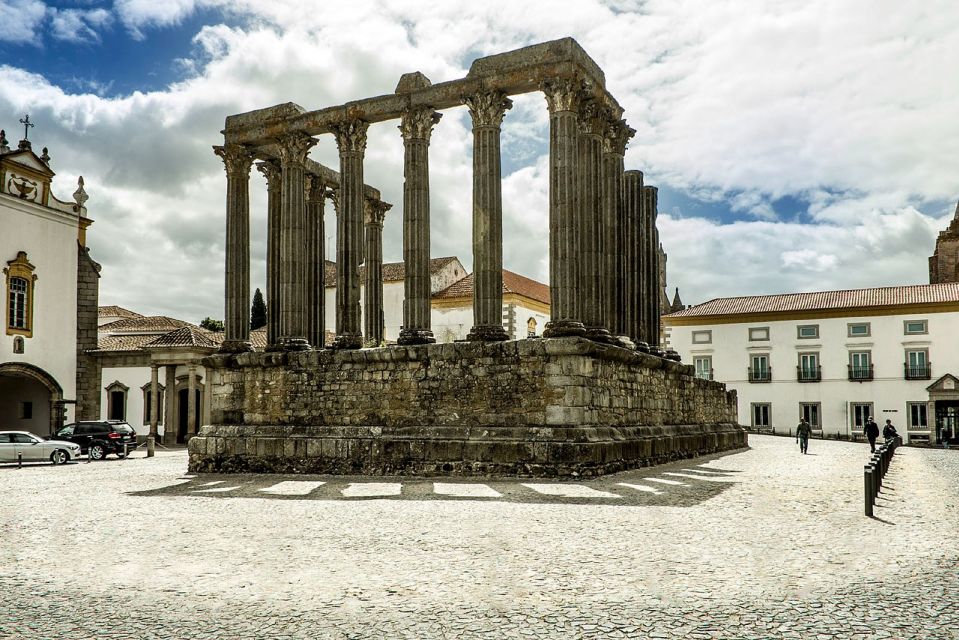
(763,543)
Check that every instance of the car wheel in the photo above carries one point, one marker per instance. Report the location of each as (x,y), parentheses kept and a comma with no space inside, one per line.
(97,452)
(58,457)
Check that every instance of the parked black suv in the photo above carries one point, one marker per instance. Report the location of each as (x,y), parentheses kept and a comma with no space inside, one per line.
(100,438)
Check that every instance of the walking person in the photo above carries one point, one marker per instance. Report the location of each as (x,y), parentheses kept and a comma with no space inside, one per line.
(889,432)
(803,431)
(872,432)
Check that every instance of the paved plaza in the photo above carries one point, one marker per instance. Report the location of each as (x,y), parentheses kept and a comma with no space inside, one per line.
(761,543)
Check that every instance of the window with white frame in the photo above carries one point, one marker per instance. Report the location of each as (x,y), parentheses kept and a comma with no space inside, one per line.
(915,327)
(758,333)
(810,413)
(807,331)
(703,337)
(704,367)
(917,416)
(859,413)
(858,329)
(761,415)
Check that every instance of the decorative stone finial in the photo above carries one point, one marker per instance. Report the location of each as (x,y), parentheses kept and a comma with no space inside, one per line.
(80,195)
(3,142)
(411,82)
(25,145)
(45,157)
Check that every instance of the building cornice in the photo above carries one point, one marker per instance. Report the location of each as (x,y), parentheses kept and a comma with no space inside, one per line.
(847,312)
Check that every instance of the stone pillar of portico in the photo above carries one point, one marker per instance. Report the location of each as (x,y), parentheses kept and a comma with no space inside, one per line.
(170,426)
(634,307)
(651,248)
(487,111)
(293,149)
(191,402)
(375,213)
(315,261)
(351,141)
(271,171)
(416,125)
(563,97)
(154,400)
(615,137)
(237,160)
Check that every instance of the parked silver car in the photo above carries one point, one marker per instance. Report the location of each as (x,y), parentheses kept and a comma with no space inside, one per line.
(14,444)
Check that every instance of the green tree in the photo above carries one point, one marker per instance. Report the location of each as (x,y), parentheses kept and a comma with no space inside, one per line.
(257,311)
(210,324)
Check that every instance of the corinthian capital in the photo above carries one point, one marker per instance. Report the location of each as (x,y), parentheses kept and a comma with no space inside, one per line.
(236,157)
(294,147)
(592,118)
(350,135)
(375,211)
(271,171)
(563,94)
(488,109)
(616,135)
(417,124)
(315,188)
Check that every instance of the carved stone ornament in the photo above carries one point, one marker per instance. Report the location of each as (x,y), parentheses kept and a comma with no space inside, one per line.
(351,135)
(488,109)
(417,124)
(271,171)
(315,188)
(375,211)
(22,187)
(293,147)
(236,158)
(616,136)
(80,195)
(592,118)
(563,94)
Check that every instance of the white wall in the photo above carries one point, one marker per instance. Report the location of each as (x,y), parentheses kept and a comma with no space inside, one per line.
(135,378)
(889,392)
(50,239)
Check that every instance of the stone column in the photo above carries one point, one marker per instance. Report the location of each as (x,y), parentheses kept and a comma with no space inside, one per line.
(351,141)
(375,213)
(416,125)
(154,400)
(191,402)
(634,256)
(293,149)
(271,170)
(315,262)
(615,137)
(170,426)
(487,111)
(592,121)
(563,97)
(651,247)
(237,160)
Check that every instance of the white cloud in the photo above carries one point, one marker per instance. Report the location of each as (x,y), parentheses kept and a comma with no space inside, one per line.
(79,25)
(136,14)
(21,20)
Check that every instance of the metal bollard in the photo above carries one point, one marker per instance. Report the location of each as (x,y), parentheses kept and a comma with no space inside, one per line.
(876,477)
(19,459)
(151,446)
(89,457)
(125,452)
(867,489)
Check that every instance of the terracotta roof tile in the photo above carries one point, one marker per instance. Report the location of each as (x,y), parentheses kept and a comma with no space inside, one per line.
(113,311)
(512,283)
(824,300)
(124,342)
(156,324)
(392,271)
(188,336)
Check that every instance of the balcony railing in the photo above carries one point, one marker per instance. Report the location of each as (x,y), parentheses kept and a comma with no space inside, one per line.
(761,375)
(860,373)
(809,374)
(705,375)
(918,372)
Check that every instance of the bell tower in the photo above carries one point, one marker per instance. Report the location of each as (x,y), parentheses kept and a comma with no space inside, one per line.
(944,262)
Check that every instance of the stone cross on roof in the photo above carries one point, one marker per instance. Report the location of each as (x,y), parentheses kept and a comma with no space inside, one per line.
(25,121)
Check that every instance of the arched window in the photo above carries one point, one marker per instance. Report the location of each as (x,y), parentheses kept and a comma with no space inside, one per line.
(117,400)
(20,290)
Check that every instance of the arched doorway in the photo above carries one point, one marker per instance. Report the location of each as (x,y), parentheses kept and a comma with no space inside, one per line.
(30,399)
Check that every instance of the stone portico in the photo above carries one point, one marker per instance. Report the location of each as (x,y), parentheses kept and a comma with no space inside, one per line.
(583,400)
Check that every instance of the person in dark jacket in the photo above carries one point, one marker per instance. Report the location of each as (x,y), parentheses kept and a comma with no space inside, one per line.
(872,432)
(889,432)
(803,431)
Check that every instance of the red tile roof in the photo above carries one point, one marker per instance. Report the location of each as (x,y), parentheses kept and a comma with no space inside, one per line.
(113,311)
(189,336)
(124,342)
(512,283)
(154,324)
(825,300)
(392,271)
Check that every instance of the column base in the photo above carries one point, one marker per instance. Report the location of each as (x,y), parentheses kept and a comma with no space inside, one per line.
(656,351)
(416,336)
(564,328)
(641,346)
(348,341)
(290,343)
(624,342)
(599,334)
(673,355)
(235,346)
(487,333)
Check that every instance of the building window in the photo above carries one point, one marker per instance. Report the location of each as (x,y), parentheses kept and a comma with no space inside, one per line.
(117,401)
(761,412)
(26,410)
(860,366)
(704,367)
(759,333)
(147,406)
(917,364)
(858,329)
(703,337)
(759,369)
(20,293)
(806,331)
(860,412)
(917,416)
(809,411)
(915,327)
(18,344)
(809,369)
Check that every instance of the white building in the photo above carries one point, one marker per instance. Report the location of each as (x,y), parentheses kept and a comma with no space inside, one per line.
(833,357)
(50,291)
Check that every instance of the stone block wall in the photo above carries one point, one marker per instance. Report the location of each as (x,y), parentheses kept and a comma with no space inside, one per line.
(88,367)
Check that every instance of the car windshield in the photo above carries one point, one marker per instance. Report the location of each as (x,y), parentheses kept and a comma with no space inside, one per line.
(122,428)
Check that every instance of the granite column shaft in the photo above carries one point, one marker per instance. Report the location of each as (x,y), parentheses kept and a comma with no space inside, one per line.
(271,171)
(237,160)
(191,417)
(351,141)
(592,224)
(651,246)
(315,262)
(171,425)
(614,147)
(373,317)
(634,253)
(154,400)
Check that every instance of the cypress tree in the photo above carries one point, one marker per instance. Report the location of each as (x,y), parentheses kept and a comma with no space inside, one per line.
(257,311)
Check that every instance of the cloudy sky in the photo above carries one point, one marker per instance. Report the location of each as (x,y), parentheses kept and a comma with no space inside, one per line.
(798,145)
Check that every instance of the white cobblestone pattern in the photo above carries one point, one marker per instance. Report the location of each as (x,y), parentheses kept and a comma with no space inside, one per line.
(773,544)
